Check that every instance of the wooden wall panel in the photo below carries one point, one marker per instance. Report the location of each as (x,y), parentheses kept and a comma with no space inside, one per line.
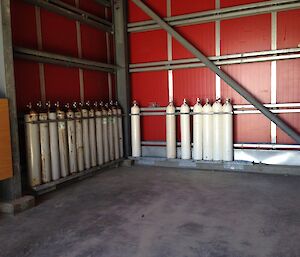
(5,144)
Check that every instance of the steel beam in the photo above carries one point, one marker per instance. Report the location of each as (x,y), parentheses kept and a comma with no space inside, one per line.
(224,76)
(251,57)
(105,3)
(9,189)
(46,57)
(122,61)
(236,145)
(73,13)
(219,14)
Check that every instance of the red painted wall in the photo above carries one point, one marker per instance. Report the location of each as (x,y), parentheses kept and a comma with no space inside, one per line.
(58,36)
(240,35)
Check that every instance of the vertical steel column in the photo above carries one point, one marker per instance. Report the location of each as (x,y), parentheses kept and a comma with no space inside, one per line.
(40,48)
(108,55)
(79,49)
(218,50)
(170,55)
(122,74)
(224,76)
(9,189)
(273,73)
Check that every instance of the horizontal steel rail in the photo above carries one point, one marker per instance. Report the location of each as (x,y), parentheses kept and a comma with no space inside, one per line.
(235,112)
(220,14)
(73,13)
(237,145)
(235,107)
(250,57)
(68,61)
(105,3)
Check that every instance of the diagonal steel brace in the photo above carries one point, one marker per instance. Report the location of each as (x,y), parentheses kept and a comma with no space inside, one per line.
(231,82)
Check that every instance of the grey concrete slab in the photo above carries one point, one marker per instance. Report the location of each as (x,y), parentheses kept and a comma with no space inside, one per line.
(153,211)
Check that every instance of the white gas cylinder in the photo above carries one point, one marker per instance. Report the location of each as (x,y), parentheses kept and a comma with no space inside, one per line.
(135,130)
(197,130)
(217,130)
(185,131)
(207,131)
(171,131)
(227,131)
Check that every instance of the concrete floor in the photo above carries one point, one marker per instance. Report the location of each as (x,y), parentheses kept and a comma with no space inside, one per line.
(144,211)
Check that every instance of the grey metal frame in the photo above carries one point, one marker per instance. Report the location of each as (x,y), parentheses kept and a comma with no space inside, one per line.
(232,83)
(250,57)
(122,74)
(9,189)
(218,14)
(68,61)
(74,13)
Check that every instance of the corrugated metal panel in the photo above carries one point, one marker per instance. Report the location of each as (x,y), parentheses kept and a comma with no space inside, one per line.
(249,34)
(27,83)
(228,3)
(62,84)
(246,34)
(153,128)
(288,81)
(150,87)
(251,128)
(95,85)
(23,24)
(201,36)
(288,29)
(288,75)
(113,86)
(60,40)
(193,83)
(93,43)
(136,14)
(180,7)
(293,119)
(148,46)
(92,7)
(253,76)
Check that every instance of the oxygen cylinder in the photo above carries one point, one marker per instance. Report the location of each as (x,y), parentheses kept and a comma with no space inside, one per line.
(92,136)
(115,130)
(54,152)
(120,128)
(135,130)
(197,131)
(79,136)
(85,135)
(227,131)
(171,131)
(217,130)
(33,147)
(110,133)
(71,139)
(207,131)
(99,134)
(62,141)
(45,144)
(105,133)
(185,131)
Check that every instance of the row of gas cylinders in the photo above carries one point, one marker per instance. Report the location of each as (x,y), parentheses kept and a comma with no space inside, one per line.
(61,141)
(212,131)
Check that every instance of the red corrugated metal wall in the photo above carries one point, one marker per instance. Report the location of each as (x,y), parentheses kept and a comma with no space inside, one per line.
(239,35)
(59,35)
